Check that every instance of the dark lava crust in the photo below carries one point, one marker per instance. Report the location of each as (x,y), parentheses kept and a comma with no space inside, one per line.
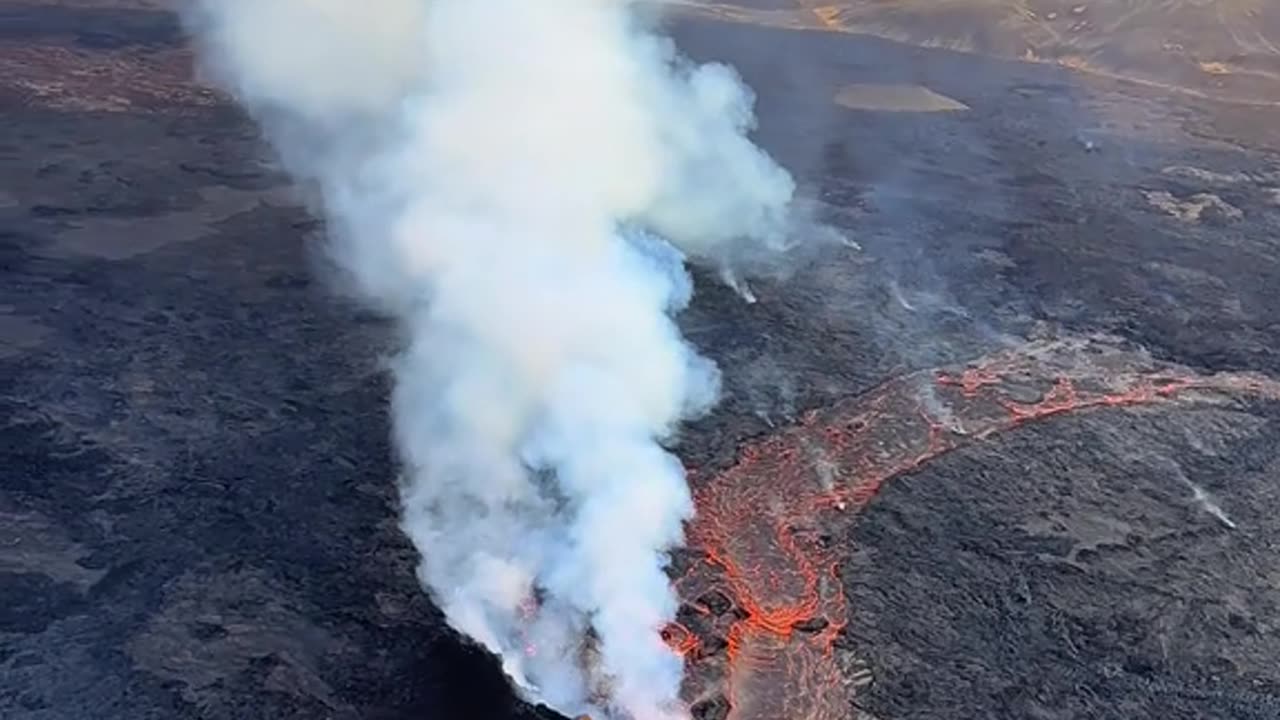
(197,513)
(1076,574)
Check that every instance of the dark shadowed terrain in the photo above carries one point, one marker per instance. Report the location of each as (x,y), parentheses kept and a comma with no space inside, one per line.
(197,500)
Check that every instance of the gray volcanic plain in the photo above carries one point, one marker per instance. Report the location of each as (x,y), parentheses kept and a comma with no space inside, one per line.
(197,494)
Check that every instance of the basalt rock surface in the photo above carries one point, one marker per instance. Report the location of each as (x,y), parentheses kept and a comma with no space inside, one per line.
(1012,457)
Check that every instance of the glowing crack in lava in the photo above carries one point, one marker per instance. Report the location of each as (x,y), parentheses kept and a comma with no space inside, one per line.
(762,600)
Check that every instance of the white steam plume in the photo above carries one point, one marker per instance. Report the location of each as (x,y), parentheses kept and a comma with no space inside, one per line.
(520,183)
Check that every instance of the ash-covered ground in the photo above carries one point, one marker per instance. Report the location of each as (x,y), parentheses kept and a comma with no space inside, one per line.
(197,510)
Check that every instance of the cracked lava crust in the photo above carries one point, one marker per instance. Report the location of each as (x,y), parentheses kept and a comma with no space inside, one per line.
(762,603)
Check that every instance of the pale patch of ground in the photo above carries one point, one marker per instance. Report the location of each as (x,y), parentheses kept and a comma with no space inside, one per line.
(1191,209)
(896,98)
(74,80)
(1207,176)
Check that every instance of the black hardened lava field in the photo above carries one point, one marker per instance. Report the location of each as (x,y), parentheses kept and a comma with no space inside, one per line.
(1015,455)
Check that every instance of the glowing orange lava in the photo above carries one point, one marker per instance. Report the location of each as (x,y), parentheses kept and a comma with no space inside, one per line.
(763,602)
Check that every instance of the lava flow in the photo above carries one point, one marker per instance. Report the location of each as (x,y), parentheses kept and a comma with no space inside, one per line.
(762,598)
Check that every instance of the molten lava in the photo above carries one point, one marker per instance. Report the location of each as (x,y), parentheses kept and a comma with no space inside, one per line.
(763,601)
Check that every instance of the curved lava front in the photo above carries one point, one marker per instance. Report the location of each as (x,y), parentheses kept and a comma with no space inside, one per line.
(762,599)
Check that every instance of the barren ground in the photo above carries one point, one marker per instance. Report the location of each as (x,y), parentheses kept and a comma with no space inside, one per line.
(197,516)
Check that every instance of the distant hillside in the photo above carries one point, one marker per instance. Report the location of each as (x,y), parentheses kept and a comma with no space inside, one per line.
(1228,49)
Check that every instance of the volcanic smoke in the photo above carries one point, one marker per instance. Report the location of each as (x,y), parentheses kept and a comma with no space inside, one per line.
(520,184)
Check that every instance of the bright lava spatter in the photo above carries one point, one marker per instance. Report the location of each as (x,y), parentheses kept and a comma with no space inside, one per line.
(762,601)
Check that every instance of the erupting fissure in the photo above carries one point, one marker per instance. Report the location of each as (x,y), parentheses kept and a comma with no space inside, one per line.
(521,185)
(763,602)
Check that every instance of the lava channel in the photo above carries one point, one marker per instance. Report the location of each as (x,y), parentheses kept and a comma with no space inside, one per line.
(762,601)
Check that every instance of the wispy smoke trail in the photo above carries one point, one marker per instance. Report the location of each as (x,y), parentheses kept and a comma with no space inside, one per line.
(520,183)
